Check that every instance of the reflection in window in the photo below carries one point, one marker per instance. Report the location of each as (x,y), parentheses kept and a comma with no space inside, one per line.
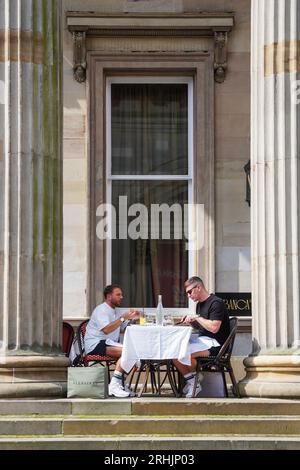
(147,267)
(149,129)
(149,138)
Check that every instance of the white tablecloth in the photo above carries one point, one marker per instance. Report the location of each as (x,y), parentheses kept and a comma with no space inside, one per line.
(155,342)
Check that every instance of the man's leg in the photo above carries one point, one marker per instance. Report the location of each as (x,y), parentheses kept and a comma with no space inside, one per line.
(183,368)
(117,385)
(115,353)
(189,373)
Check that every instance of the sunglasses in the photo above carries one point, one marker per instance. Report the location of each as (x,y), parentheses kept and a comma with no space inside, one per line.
(188,292)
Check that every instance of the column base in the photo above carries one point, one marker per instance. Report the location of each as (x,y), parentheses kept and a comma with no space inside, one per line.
(271,377)
(33,376)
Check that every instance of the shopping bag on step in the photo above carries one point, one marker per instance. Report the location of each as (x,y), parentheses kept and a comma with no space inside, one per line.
(88,382)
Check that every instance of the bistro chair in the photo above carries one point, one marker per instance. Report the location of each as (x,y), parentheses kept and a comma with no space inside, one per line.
(68,337)
(85,359)
(220,363)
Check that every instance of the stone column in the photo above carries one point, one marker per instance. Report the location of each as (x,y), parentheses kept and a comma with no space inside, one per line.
(273,370)
(31,362)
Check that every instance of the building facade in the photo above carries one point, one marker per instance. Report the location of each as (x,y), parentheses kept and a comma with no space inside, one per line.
(126,129)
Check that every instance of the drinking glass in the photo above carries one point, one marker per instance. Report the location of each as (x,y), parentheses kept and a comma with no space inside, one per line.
(168,320)
(150,320)
(142,318)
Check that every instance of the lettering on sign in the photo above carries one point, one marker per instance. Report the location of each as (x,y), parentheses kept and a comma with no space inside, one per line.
(237,303)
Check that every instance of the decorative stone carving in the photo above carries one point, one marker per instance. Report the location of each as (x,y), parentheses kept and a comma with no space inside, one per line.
(79,67)
(220,64)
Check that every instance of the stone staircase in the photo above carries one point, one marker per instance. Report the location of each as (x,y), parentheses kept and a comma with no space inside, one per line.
(149,424)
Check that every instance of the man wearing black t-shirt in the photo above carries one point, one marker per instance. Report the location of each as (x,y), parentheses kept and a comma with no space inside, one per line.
(212,322)
(213,319)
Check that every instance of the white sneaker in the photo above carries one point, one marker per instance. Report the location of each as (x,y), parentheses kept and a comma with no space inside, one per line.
(189,393)
(127,389)
(116,389)
(186,387)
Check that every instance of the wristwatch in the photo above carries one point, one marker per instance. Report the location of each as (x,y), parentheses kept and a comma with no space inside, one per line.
(122,319)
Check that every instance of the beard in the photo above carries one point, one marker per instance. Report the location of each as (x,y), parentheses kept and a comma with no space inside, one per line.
(116,303)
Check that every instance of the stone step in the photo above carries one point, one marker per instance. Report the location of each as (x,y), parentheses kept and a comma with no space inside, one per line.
(213,406)
(151,406)
(152,443)
(183,426)
(65,407)
(149,425)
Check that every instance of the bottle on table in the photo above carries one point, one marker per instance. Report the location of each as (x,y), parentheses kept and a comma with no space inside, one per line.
(159,312)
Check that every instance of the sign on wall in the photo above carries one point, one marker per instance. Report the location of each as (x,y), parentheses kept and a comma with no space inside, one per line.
(237,303)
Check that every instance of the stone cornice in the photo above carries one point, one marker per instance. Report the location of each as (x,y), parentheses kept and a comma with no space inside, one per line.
(148,21)
(205,24)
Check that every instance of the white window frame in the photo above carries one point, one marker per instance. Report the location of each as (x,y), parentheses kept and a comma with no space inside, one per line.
(189,177)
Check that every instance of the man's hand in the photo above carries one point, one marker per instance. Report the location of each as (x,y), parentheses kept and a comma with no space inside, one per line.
(189,319)
(132,315)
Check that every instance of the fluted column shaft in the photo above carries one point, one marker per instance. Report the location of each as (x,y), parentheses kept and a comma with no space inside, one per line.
(31,178)
(32,245)
(275,195)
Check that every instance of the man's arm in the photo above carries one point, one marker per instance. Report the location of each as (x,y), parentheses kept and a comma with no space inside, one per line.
(116,323)
(210,325)
(216,314)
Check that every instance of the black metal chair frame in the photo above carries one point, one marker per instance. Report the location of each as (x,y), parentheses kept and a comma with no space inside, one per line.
(86,359)
(220,363)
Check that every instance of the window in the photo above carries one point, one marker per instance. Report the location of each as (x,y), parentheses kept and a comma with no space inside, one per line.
(149,184)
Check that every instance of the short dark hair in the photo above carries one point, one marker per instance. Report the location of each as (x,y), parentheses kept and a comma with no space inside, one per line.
(193,280)
(109,289)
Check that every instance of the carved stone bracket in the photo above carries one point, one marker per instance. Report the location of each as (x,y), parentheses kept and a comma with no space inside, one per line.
(79,66)
(220,64)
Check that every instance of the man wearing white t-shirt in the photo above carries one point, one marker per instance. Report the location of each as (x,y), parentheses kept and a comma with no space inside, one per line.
(102,335)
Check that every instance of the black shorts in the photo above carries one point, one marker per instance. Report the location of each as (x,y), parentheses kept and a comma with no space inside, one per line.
(214,351)
(99,350)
